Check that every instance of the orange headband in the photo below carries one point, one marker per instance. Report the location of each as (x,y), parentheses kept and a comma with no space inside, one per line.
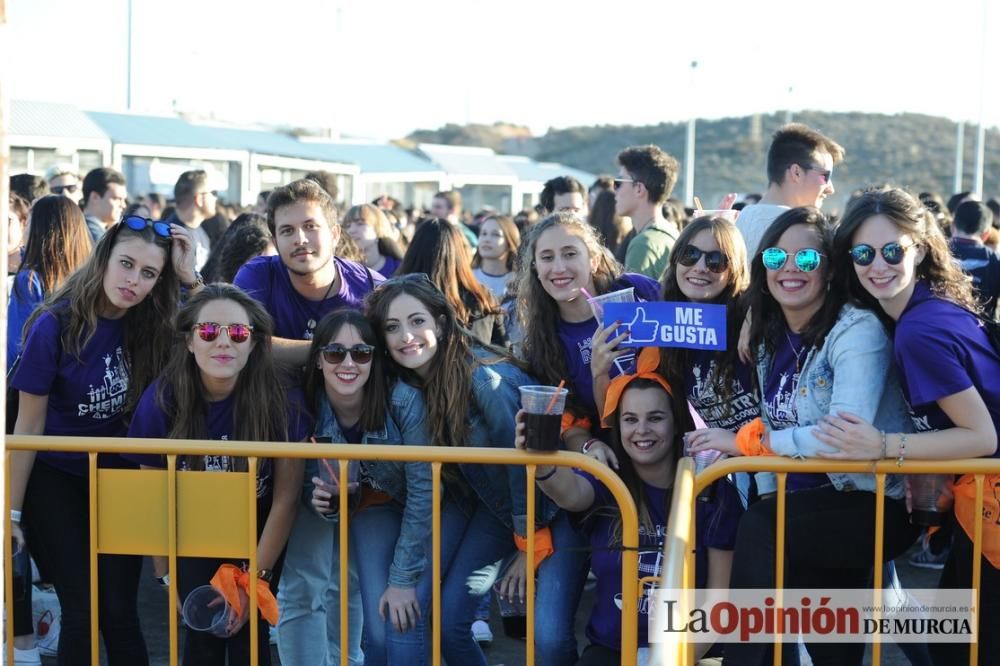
(646,364)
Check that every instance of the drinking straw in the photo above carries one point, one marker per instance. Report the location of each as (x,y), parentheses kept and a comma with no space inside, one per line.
(586,294)
(555,396)
(329,469)
(697,204)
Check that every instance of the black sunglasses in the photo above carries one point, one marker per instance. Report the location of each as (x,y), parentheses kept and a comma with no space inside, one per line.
(621,181)
(336,353)
(893,253)
(715,261)
(59,189)
(136,223)
(825,174)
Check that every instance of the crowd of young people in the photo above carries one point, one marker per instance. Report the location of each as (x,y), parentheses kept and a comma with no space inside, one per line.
(864,342)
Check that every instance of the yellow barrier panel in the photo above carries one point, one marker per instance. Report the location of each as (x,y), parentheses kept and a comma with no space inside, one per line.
(678,571)
(174,520)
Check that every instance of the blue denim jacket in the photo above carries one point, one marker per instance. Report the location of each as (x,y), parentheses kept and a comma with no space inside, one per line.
(496,399)
(410,484)
(853,372)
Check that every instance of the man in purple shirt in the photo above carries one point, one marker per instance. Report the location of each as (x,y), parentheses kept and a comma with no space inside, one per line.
(305,280)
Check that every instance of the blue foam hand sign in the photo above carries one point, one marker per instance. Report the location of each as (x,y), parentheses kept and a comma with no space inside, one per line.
(662,324)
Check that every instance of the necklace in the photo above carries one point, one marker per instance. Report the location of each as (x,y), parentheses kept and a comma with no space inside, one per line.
(798,352)
(315,307)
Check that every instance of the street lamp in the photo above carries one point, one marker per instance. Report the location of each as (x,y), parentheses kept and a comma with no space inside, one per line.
(689,145)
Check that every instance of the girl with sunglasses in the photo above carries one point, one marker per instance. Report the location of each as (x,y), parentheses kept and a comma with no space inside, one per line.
(897,264)
(470,396)
(220,384)
(562,260)
(89,352)
(815,356)
(354,402)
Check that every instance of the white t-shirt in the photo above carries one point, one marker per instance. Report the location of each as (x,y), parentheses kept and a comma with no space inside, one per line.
(495,283)
(754,221)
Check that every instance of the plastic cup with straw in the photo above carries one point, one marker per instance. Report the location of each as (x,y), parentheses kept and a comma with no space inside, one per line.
(543,408)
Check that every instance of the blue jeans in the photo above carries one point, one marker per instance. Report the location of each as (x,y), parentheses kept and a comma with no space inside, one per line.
(374,531)
(469,544)
(309,596)
(561,578)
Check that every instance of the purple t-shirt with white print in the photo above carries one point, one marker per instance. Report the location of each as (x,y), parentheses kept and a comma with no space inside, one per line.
(780,389)
(715,527)
(151,421)
(87,395)
(940,349)
(266,279)
(576,339)
(718,411)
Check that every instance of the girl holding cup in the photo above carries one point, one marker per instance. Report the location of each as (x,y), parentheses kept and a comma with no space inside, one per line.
(897,264)
(220,383)
(355,403)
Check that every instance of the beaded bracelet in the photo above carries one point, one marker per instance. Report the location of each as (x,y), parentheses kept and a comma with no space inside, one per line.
(902,450)
(882,432)
(545,477)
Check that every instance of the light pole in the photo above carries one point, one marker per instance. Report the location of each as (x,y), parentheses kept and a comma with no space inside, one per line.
(128,60)
(689,145)
(959,157)
(981,134)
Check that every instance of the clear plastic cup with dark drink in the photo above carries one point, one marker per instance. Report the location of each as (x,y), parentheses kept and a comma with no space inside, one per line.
(543,408)
(929,500)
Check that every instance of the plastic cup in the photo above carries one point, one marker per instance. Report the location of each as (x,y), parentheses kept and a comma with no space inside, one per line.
(542,422)
(205,609)
(514,616)
(597,303)
(702,459)
(727,213)
(329,471)
(928,500)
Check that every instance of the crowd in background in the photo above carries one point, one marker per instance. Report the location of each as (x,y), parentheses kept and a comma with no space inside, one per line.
(862,335)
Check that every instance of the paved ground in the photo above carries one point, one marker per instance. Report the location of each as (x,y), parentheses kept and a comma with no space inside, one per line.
(503,652)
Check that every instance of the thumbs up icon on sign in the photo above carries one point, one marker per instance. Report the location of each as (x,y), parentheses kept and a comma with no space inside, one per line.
(642,329)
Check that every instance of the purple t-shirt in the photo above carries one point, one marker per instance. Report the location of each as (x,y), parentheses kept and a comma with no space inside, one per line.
(576,339)
(718,411)
(715,527)
(86,396)
(151,421)
(940,350)
(266,279)
(780,389)
(390,266)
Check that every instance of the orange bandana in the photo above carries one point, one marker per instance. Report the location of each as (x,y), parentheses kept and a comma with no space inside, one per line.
(229,577)
(645,364)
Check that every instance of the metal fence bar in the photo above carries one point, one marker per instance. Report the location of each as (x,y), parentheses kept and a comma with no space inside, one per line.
(779,560)
(8,554)
(879,554)
(343,563)
(977,562)
(92,500)
(252,552)
(172,594)
(529,643)
(436,568)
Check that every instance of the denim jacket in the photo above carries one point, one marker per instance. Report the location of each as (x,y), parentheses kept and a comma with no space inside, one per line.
(409,484)
(852,372)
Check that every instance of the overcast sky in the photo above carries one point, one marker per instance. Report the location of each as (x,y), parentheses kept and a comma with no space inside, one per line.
(381,68)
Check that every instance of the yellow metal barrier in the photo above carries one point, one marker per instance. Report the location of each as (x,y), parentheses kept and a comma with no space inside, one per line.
(151,512)
(679,548)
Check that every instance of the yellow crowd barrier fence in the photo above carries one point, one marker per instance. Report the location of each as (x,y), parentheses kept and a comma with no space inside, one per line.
(154,512)
(679,547)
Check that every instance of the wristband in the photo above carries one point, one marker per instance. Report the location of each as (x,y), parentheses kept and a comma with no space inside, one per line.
(546,477)
(750,439)
(589,444)
(199,281)
(15,516)
(163,580)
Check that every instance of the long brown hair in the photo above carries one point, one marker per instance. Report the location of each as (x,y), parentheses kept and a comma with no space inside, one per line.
(938,267)
(448,385)
(58,242)
(147,329)
(510,235)
(377,220)
(539,313)
(260,410)
(438,250)
(376,389)
(674,363)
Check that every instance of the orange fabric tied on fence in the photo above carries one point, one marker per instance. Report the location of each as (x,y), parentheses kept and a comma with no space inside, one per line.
(229,578)
(750,439)
(645,365)
(543,544)
(965,512)
(571,421)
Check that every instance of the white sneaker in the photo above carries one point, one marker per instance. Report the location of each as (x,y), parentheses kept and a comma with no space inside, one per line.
(482,633)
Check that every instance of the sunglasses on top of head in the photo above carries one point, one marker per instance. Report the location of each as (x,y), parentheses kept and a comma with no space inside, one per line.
(336,353)
(136,223)
(806,260)
(715,261)
(209,331)
(864,254)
